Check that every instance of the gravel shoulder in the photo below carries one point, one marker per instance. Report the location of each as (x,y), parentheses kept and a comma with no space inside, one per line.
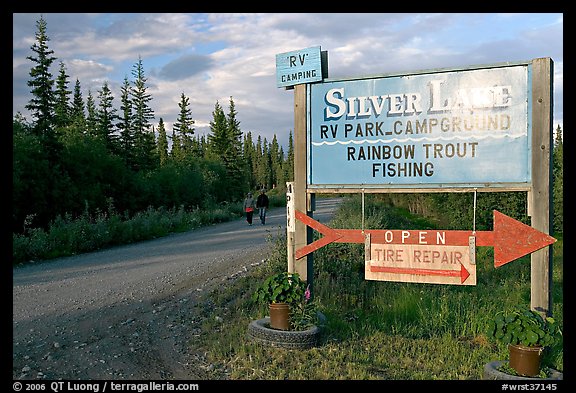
(132,312)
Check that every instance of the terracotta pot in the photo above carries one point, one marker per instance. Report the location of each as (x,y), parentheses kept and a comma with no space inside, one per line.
(280,316)
(526,360)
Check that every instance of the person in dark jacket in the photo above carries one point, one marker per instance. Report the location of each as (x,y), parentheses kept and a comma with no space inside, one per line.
(262,205)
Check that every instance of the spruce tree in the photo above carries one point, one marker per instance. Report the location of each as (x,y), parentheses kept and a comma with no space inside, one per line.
(162,143)
(124,125)
(92,116)
(249,153)
(217,138)
(183,130)
(261,169)
(42,103)
(106,116)
(235,164)
(62,110)
(558,182)
(176,151)
(145,143)
(289,167)
(276,159)
(199,146)
(77,115)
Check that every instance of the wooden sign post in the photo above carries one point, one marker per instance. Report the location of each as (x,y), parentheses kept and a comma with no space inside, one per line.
(295,70)
(303,235)
(540,196)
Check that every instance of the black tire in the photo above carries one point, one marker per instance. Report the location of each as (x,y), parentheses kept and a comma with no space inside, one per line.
(491,373)
(260,330)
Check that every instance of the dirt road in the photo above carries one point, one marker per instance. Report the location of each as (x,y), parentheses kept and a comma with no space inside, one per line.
(129,312)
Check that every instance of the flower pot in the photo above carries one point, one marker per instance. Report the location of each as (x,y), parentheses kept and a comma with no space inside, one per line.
(280,316)
(525,360)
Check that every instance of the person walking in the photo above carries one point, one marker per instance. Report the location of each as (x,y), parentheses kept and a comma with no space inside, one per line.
(249,207)
(262,205)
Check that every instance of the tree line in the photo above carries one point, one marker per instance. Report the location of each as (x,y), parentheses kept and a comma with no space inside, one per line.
(80,156)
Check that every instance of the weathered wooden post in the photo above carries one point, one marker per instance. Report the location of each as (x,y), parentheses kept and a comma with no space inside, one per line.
(540,196)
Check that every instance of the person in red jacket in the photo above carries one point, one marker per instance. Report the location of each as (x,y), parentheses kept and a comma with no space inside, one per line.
(249,207)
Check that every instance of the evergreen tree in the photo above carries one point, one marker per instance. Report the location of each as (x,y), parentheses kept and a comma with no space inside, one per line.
(289,167)
(281,177)
(199,148)
(176,151)
(106,116)
(183,130)
(234,132)
(124,125)
(249,153)
(62,110)
(225,145)
(262,167)
(217,139)
(267,165)
(92,116)
(145,143)
(276,159)
(77,114)
(162,143)
(558,182)
(234,161)
(42,103)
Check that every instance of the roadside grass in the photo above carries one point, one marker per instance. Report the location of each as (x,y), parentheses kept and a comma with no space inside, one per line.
(374,329)
(89,232)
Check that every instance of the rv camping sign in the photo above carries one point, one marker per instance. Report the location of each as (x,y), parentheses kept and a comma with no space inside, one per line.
(296,67)
(462,128)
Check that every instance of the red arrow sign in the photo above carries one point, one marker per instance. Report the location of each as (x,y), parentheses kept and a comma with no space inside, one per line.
(510,238)
(515,239)
(463,273)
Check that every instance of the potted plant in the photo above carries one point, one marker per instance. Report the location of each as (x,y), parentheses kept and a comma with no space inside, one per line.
(527,334)
(281,291)
(293,320)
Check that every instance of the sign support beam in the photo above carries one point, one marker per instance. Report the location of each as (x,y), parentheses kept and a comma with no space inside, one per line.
(303,234)
(540,197)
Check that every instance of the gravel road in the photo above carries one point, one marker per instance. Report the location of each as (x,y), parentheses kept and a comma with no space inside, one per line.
(131,312)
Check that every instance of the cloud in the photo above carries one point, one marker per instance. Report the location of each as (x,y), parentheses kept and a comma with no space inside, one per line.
(185,66)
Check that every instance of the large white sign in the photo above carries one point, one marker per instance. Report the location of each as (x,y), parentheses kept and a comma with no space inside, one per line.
(460,128)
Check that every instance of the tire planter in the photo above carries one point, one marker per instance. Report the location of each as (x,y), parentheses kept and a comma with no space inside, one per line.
(260,330)
(491,372)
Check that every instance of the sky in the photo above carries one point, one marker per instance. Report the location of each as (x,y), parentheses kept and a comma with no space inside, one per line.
(211,58)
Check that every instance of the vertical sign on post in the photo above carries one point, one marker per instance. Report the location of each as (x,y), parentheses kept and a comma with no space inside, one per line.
(290,224)
(290,217)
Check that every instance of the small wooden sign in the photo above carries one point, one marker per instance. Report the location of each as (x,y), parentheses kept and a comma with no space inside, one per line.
(418,263)
(297,67)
